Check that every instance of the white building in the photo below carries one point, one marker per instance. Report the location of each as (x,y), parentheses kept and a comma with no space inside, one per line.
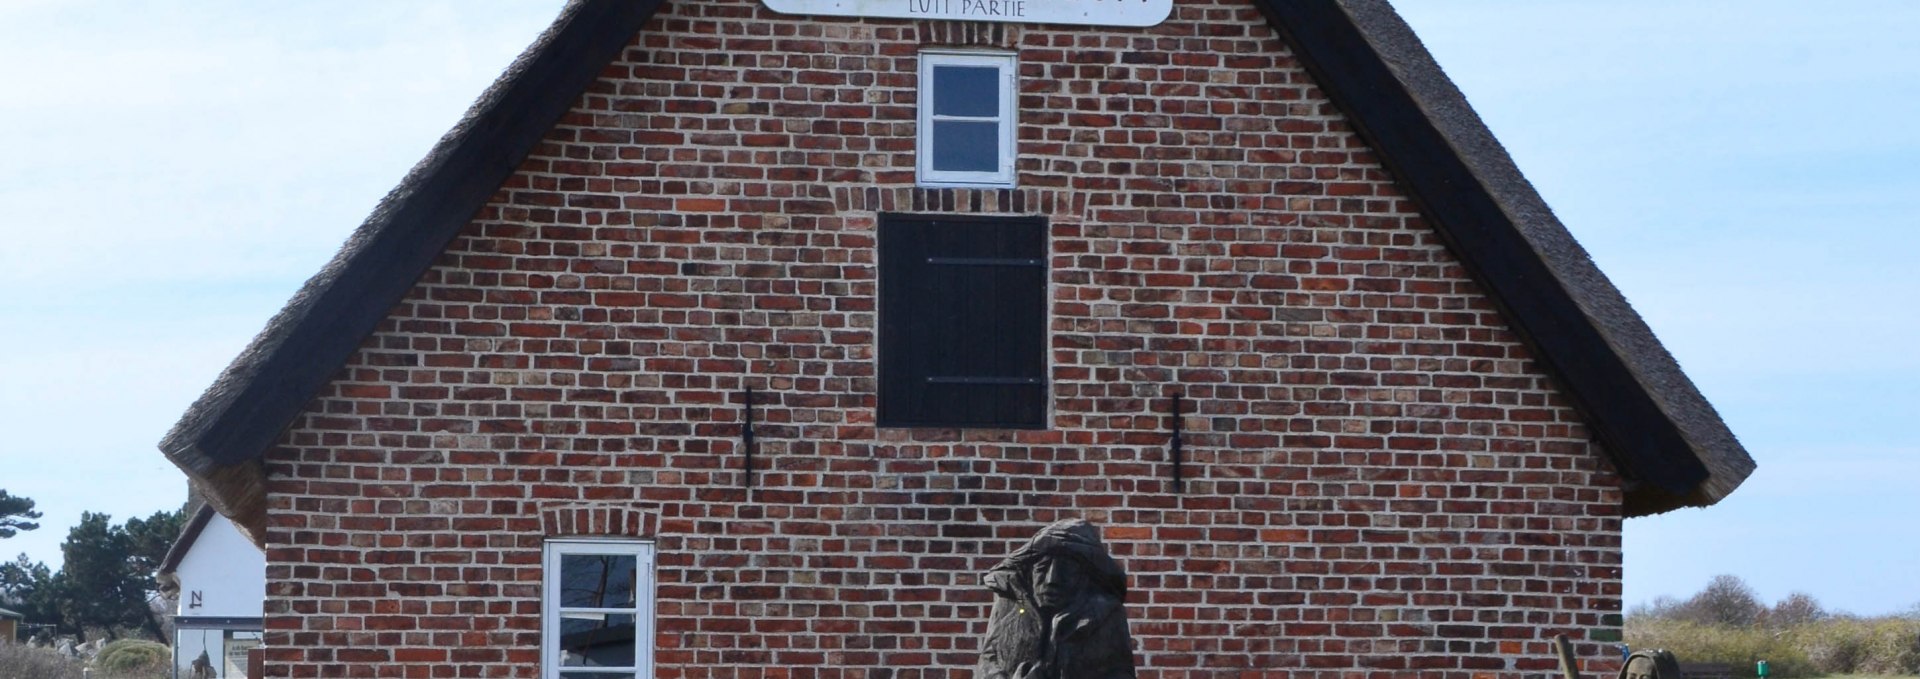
(220,578)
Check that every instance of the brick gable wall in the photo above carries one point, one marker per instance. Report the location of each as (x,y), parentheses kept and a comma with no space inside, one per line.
(1380,481)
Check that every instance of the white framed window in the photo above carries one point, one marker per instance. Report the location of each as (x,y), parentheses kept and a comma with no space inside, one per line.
(967,119)
(596,613)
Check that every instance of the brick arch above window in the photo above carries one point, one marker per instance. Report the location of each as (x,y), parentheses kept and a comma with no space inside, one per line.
(599,520)
(940,33)
(1056,204)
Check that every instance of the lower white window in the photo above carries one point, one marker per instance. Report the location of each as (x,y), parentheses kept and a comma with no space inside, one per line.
(596,617)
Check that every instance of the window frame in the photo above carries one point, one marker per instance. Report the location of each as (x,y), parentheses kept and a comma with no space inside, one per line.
(642,611)
(1006,176)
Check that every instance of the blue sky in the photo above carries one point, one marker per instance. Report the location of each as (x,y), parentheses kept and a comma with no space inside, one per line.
(1744,171)
(173,171)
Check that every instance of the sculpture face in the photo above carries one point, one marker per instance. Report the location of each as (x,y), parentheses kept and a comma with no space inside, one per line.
(1059,610)
(1056,582)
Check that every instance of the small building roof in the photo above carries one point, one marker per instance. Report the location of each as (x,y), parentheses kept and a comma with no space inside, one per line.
(1666,440)
(183,544)
(4,613)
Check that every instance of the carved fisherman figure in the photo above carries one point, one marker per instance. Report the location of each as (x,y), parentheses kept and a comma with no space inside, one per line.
(1057,610)
(1654,664)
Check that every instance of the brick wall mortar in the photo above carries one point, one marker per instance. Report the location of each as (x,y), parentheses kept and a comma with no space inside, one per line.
(1381,482)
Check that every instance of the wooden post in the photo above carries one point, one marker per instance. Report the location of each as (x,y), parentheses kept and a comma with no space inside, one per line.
(1567,664)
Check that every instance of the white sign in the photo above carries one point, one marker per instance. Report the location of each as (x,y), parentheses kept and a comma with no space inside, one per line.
(236,654)
(1081,12)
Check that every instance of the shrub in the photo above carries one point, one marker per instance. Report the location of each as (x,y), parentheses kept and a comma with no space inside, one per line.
(1847,646)
(134,658)
(21,660)
(1741,647)
(1834,648)
(1725,623)
(1888,646)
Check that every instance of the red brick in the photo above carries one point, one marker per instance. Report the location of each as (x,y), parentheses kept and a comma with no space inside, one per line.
(699,224)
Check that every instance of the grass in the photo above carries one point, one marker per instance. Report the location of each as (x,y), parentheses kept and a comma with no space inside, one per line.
(1888,647)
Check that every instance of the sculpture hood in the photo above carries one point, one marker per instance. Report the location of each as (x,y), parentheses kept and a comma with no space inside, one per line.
(1072,537)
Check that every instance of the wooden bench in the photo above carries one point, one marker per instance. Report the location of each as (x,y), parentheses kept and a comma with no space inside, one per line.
(1706,670)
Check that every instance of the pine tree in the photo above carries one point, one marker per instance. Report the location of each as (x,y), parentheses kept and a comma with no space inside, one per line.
(16,514)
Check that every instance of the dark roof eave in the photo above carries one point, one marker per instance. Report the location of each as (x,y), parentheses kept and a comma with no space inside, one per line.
(265,388)
(169,582)
(184,543)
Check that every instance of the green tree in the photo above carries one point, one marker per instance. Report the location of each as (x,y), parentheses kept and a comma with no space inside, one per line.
(102,592)
(16,514)
(29,588)
(109,583)
(147,543)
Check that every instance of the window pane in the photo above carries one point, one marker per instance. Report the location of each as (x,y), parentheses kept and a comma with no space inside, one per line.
(597,580)
(190,644)
(966,91)
(595,675)
(596,640)
(965,146)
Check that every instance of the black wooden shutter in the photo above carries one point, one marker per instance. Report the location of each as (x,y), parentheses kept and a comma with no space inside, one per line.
(963,321)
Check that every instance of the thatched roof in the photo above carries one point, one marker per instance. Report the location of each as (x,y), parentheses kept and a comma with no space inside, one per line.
(169,582)
(1663,436)
(220,439)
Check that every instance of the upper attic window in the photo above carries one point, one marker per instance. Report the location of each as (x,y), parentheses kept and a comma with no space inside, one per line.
(966,119)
